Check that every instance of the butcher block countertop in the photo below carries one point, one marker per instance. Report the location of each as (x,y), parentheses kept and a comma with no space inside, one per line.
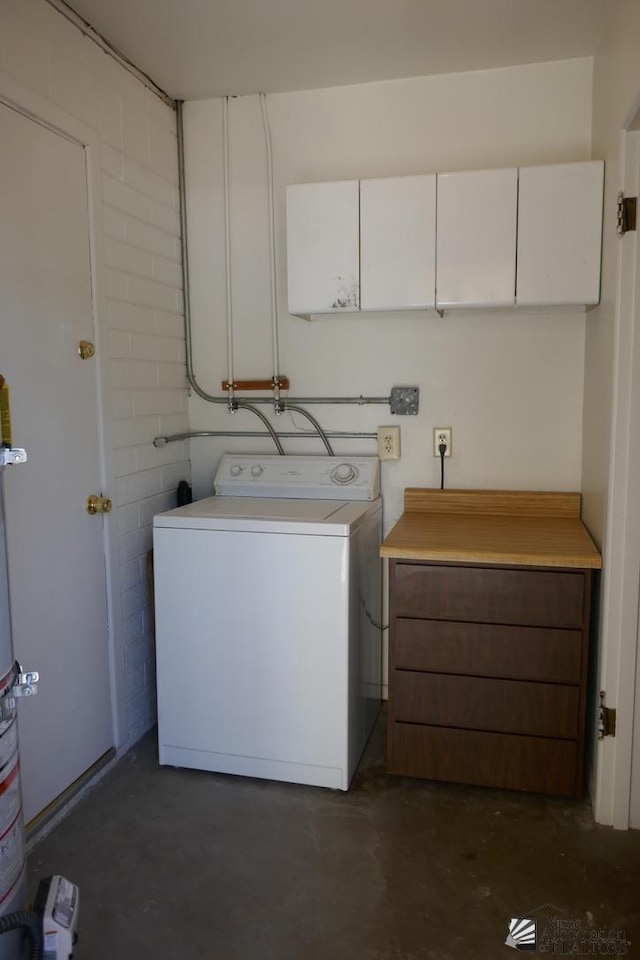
(492,526)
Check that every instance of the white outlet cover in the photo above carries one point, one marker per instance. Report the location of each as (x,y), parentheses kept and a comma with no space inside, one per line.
(447,433)
(389,443)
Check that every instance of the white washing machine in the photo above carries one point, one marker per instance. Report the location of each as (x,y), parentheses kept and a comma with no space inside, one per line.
(268,613)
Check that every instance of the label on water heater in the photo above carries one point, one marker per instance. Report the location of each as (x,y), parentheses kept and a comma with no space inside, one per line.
(10,800)
(8,741)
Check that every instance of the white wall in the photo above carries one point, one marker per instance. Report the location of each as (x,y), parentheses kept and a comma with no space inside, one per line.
(616,91)
(50,69)
(509,384)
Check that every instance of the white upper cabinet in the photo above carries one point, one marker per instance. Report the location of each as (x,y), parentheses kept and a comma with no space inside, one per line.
(476,238)
(447,240)
(323,256)
(559,234)
(398,243)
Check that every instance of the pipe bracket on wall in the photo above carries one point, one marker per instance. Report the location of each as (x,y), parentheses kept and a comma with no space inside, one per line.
(281,382)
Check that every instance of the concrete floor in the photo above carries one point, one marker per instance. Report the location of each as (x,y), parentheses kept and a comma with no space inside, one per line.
(183,865)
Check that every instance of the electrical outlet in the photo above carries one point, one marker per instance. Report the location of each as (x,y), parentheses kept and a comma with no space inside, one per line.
(442,435)
(389,443)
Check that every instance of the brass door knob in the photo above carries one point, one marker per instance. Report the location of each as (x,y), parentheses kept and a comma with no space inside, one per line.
(96,504)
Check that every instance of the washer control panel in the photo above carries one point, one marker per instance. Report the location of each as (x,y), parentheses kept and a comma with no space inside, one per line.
(304,478)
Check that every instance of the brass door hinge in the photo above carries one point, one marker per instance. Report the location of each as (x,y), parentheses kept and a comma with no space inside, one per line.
(606,719)
(626,214)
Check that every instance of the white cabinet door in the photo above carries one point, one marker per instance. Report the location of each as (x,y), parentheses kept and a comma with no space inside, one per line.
(323,250)
(398,243)
(559,233)
(476,238)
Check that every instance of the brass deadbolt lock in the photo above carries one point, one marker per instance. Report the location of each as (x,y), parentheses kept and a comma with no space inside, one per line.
(97,504)
(86,350)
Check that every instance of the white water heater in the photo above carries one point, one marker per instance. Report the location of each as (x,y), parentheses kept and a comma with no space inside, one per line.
(13,683)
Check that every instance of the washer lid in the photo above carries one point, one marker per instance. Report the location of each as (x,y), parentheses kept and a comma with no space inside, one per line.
(268,515)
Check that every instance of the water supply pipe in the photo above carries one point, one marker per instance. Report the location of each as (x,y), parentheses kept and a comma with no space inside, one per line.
(230,401)
(198,390)
(210,398)
(273,287)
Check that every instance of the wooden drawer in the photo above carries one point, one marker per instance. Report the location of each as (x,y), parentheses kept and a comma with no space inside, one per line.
(536,598)
(527,653)
(487,759)
(508,706)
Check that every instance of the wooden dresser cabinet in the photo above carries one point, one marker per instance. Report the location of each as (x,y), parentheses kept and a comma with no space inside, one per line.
(488,660)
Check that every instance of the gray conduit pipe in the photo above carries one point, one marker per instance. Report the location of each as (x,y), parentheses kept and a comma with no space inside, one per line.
(195,434)
(235,405)
(359,401)
(185,268)
(227,243)
(275,344)
(198,390)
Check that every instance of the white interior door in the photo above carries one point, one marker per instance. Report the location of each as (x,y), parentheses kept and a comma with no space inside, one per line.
(617,795)
(634,802)
(632,558)
(55,549)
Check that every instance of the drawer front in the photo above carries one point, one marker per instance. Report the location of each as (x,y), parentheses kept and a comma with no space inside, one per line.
(527,653)
(536,598)
(486,759)
(508,706)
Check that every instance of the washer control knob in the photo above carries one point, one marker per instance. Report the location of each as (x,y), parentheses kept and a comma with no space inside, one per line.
(344,473)
(236,470)
(257,470)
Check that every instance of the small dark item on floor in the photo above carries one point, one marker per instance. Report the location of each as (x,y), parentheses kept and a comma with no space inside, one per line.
(184,493)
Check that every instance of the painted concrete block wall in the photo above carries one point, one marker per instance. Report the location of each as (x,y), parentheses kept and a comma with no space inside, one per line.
(47,66)
(509,384)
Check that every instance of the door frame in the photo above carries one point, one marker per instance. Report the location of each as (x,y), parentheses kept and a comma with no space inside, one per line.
(621,588)
(36,108)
